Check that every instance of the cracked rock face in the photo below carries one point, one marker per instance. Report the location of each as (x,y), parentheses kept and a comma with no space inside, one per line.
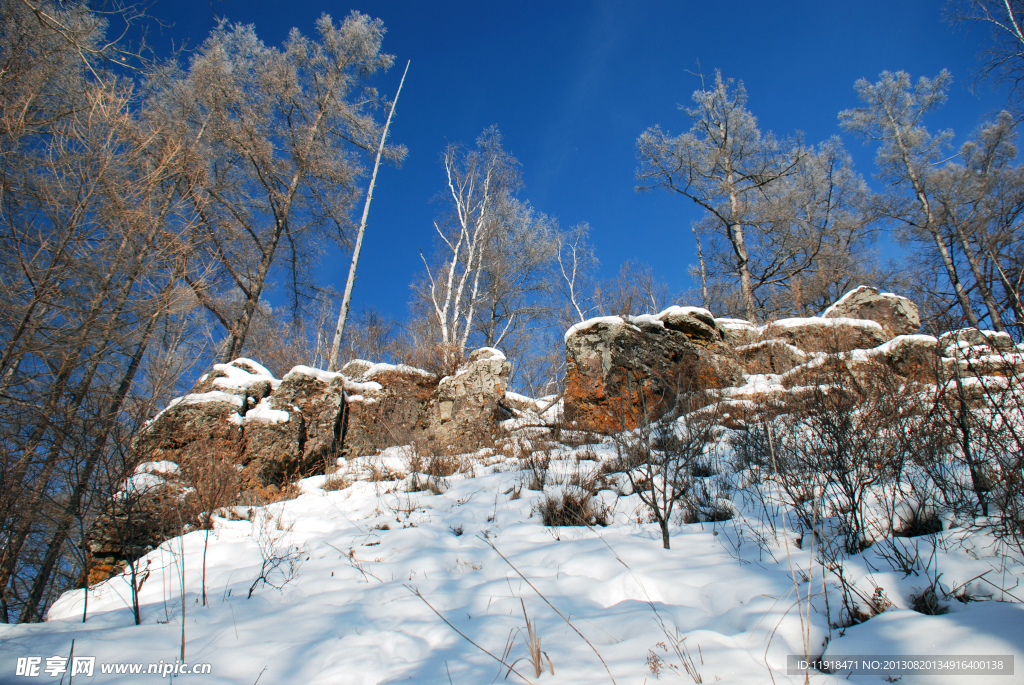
(391,406)
(896,314)
(618,372)
(770,357)
(467,402)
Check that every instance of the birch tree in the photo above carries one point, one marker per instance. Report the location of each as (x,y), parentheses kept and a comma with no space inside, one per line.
(480,183)
(979,201)
(577,265)
(1003,59)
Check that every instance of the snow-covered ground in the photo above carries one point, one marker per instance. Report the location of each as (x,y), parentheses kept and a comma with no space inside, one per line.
(384,578)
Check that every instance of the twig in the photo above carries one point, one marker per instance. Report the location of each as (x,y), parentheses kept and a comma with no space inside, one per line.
(539,594)
(464,636)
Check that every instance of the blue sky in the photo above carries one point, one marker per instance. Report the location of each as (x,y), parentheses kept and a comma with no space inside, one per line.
(571,84)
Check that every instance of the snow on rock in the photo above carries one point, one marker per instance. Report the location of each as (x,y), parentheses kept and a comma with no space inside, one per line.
(756,385)
(770,356)
(319,374)
(589,323)
(814,334)
(250,366)
(697,312)
(360,368)
(242,374)
(646,319)
(737,332)
(205,398)
(896,314)
(158,467)
(486,353)
(265,413)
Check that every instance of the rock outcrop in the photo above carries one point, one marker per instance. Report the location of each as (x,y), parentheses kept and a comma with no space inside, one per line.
(299,425)
(896,314)
(818,334)
(392,405)
(138,518)
(468,406)
(620,371)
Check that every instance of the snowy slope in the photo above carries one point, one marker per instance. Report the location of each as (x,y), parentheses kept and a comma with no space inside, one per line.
(351,614)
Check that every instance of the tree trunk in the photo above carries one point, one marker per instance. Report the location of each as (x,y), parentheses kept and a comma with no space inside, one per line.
(71,511)
(346,301)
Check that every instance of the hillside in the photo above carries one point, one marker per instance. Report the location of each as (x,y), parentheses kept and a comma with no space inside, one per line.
(818,510)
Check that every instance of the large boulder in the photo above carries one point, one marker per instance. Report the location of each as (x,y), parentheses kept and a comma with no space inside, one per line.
(970,342)
(897,315)
(195,423)
(830,335)
(622,372)
(297,429)
(737,332)
(696,323)
(468,406)
(911,356)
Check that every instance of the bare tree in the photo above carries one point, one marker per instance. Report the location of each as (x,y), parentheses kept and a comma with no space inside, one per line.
(576,265)
(892,115)
(491,271)
(979,201)
(1003,59)
(282,131)
(346,300)
(664,458)
(636,289)
(724,164)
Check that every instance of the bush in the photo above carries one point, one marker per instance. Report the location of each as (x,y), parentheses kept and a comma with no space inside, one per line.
(573,507)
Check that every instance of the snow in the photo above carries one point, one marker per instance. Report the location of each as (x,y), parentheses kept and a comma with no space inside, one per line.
(888,347)
(734,323)
(584,325)
(140,483)
(239,379)
(492,353)
(648,319)
(256,366)
(756,384)
(373,555)
(769,343)
(684,311)
(205,397)
(265,413)
(330,376)
(802,322)
(319,374)
(381,367)
(202,398)
(163,466)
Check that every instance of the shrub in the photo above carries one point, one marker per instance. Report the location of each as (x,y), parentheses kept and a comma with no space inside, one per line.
(573,507)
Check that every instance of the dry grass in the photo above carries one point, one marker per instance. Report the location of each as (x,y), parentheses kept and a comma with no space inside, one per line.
(537,657)
(573,507)
(336,481)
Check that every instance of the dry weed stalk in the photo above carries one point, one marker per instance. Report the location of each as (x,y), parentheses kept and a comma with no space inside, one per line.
(537,656)
(500,660)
